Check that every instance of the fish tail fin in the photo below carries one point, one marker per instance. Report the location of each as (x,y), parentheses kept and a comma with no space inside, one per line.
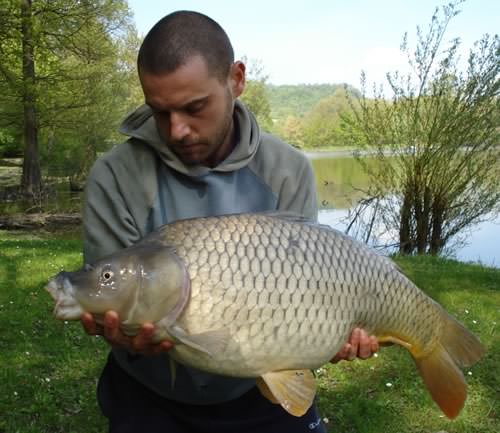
(440,367)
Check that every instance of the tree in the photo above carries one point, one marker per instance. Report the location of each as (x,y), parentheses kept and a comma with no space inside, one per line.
(255,94)
(292,131)
(321,126)
(31,180)
(60,55)
(11,110)
(442,126)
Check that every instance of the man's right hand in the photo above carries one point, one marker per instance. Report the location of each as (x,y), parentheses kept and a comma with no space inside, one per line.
(140,344)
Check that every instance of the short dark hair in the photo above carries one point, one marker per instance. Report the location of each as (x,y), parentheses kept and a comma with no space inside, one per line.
(181,35)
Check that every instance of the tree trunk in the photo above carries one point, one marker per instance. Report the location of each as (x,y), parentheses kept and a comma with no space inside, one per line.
(31,182)
(423,228)
(436,243)
(405,242)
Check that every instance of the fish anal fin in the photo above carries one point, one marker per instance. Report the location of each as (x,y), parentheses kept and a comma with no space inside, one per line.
(389,340)
(209,342)
(294,390)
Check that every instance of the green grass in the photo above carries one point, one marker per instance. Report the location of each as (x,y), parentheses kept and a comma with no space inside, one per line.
(49,369)
(385,393)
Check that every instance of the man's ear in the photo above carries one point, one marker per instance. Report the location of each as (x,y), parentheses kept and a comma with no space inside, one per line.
(237,78)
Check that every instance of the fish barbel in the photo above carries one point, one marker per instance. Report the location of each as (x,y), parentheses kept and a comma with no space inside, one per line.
(269,296)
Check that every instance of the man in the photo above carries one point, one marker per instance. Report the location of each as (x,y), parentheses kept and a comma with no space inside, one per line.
(194,150)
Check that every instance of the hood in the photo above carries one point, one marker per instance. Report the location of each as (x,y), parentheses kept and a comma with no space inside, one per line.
(140,124)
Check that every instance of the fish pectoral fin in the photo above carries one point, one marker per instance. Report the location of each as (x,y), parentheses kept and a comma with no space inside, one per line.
(210,342)
(294,390)
(265,391)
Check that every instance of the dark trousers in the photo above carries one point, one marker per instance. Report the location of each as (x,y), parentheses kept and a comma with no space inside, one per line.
(132,408)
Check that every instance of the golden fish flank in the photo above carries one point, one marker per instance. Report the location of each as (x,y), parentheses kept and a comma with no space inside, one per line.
(272,297)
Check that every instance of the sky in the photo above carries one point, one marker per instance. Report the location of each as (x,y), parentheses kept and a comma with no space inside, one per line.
(326,41)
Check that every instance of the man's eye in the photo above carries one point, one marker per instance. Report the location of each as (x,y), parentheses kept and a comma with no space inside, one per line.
(193,109)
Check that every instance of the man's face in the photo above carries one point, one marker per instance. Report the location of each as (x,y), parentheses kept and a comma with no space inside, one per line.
(194,110)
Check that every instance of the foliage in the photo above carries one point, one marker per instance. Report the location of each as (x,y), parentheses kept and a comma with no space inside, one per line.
(292,130)
(442,125)
(322,125)
(8,146)
(309,116)
(297,100)
(50,368)
(83,81)
(255,95)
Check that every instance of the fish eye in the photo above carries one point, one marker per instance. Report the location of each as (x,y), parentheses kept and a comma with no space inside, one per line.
(107,275)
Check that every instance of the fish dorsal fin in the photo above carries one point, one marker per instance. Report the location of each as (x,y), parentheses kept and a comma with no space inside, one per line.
(287,216)
(209,342)
(294,390)
(293,217)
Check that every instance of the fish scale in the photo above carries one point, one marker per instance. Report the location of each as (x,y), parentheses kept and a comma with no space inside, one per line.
(270,296)
(297,266)
(290,260)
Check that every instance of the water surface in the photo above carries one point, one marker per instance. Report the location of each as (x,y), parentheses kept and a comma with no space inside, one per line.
(341,183)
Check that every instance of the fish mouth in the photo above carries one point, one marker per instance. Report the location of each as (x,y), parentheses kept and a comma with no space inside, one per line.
(61,290)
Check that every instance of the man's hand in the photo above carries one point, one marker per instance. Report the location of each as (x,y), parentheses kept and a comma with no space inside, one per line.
(359,345)
(110,330)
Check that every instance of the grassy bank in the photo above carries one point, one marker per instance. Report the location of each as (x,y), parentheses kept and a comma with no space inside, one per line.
(48,369)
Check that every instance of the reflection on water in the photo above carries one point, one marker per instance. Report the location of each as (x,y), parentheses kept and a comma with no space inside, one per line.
(340,182)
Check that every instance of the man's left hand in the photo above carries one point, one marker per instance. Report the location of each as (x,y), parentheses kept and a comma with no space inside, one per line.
(360,345)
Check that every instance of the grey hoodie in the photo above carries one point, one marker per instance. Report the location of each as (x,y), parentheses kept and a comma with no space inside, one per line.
(140,185)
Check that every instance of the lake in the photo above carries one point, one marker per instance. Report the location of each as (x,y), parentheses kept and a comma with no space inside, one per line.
(340,181)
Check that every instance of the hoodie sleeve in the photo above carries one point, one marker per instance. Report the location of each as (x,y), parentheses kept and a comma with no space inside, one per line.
(107,223)
(298,192)
(289,175)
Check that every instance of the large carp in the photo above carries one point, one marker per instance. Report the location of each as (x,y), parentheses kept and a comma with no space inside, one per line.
(272,297)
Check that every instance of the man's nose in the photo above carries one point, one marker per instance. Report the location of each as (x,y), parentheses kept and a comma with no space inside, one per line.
(179,128)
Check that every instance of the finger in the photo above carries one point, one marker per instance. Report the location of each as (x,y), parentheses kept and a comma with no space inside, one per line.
(89,324)
(112,331)
(164,346)
(354,341)
(342,354)
(143,339)
(374,344)
(365,345)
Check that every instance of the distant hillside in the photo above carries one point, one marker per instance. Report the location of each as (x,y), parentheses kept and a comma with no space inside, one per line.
(298,99)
